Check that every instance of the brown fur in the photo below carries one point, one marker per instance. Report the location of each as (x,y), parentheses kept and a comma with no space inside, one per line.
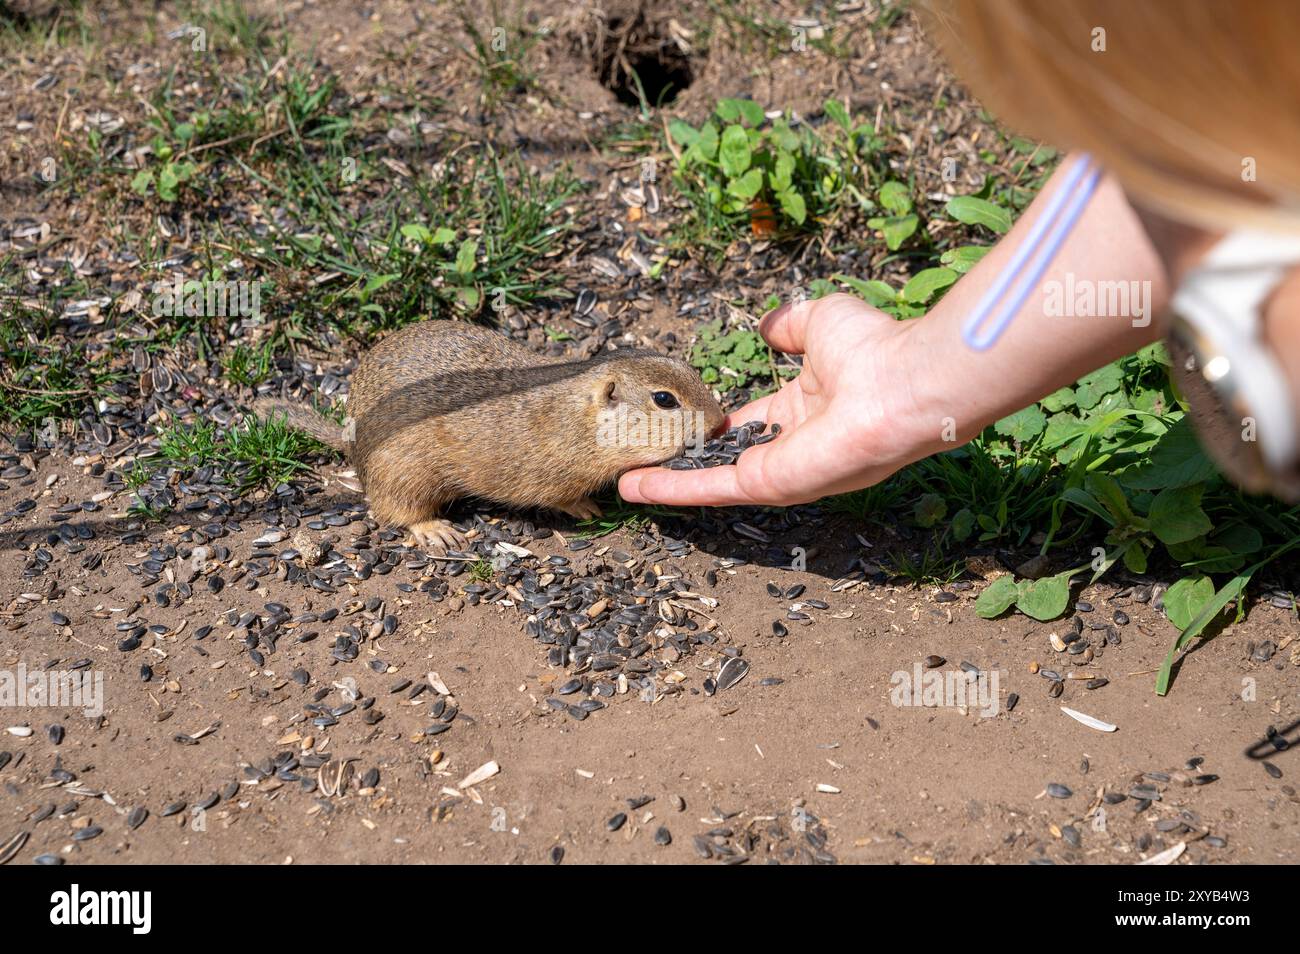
(445,409)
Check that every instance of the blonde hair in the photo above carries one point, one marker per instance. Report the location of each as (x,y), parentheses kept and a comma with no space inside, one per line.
(1180,101)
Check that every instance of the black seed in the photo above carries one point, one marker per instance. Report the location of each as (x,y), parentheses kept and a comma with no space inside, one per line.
(370,779)
(1057,790)
(1012,700)
(732,671)
(934,662)
(616,821)
(663,836)
(137,817)
(174,808)
(1272,770)
(47,859)
(556,854)
(54,732)
(779,629)
(85,834)
(1121,618)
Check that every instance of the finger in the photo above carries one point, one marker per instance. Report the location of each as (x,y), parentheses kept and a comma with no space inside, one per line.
(786,328)
(753,411)
(707,487)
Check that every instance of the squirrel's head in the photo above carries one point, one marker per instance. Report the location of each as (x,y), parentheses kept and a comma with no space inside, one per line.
(649,408)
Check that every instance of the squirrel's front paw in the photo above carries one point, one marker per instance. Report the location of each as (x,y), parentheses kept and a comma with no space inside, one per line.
(437,533)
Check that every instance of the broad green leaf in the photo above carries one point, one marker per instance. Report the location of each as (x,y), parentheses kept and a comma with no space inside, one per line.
(1024,425)
(874,292)
(376,282)
(1058,400)
(1186,598)
(748,185)
(466,255)
(708,141)
(1176,515)
(1176,461)
(783,172)
(969,210)
(792,205)
(683,133)
(929,510)
(963,258)
(1046,598)
(923,286)
(836,111)
(1135,558)
(142,182)
(1093,387)
(895,198)
(997,597)
(746,110)
(963,524)
(416,233)
(734,156)
(1239,538)
(1107,490)
(897,228)
(168,183)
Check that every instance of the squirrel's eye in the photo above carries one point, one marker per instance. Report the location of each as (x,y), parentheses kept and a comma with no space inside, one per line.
(665,400)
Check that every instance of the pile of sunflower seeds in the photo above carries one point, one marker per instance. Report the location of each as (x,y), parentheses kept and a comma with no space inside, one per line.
(726,448)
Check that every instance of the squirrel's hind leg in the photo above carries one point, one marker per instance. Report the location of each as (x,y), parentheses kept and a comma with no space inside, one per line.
(418,508)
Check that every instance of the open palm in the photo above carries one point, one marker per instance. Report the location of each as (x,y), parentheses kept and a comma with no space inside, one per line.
(834,416)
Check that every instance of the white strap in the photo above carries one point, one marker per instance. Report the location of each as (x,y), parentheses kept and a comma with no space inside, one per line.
(1222,298)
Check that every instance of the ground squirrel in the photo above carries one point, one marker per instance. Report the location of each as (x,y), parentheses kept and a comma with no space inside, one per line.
(446,409)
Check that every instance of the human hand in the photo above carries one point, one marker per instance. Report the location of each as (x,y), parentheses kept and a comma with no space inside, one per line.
(843,420)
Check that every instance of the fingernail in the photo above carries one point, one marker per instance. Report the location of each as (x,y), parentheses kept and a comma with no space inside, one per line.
(778,310)
(629,488)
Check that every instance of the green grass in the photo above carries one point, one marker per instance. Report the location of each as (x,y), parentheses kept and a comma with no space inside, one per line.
(247,367)
(45,378)
(256,454)
(465,243)
(499,51)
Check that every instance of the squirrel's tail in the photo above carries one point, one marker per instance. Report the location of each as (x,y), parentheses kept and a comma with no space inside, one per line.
(305,419)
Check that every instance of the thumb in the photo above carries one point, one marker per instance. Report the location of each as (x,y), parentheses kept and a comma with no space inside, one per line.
(786,328)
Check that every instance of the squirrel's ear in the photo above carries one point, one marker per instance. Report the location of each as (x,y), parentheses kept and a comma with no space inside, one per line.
(608,393)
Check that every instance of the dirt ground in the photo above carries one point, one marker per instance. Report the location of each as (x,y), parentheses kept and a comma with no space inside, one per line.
(807,759)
